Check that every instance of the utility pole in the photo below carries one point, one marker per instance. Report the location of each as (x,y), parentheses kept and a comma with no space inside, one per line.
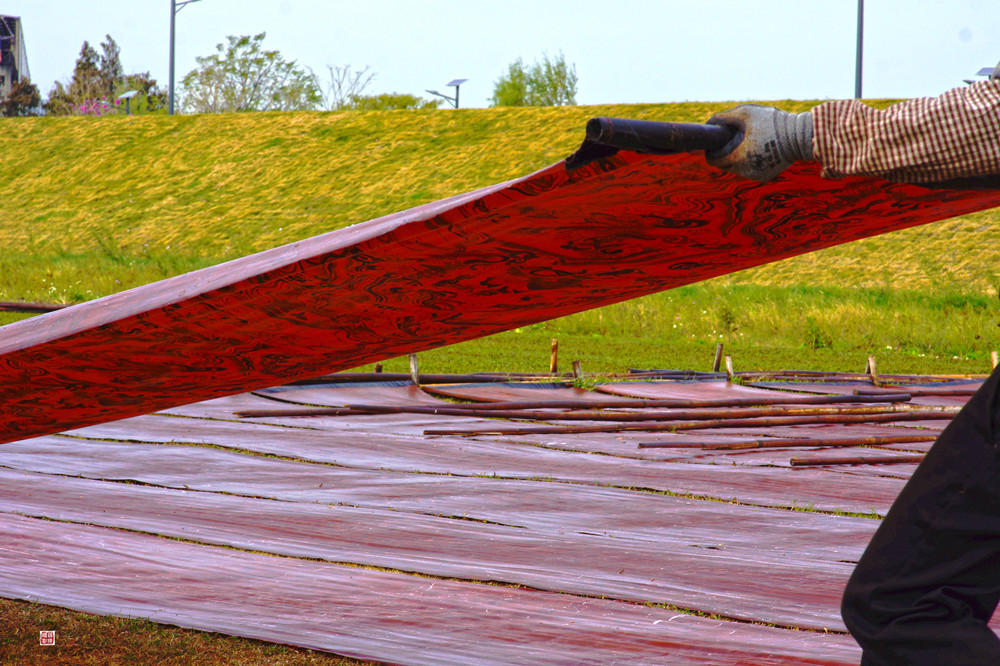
(455,83)
(175,7)
(857,63)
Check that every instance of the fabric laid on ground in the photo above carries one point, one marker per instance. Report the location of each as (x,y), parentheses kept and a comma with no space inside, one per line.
(590,522)
(402,619)
(672,560)
(371,442)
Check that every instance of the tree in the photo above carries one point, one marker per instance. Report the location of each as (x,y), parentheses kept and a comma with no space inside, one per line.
(550,82)
(346,83)
(84,85)
(98,80)
(388,102)
(110,71)
(23,100)
(512,89)
(242,76)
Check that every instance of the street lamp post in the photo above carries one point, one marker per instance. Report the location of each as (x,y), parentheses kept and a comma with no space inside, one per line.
(128,98)
(175,7)
(860,48)
(455,83)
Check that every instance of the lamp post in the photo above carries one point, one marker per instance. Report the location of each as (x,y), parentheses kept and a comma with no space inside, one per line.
(175,7)
(128,98)
(857,60)
(455,83)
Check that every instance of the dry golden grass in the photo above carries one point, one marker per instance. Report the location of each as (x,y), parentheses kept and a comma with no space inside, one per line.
(218,185)
(152,196)
(89,640)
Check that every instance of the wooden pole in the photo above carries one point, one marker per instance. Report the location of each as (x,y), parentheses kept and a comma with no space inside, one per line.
(860,460)
(922,390)
(414,370)
(554,357)
(534,413)
(675,426)
(610,403)
(717,364)
(872,371)
(778,443)
(19,306)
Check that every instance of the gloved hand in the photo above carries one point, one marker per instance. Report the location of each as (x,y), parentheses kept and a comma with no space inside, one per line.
(767,142)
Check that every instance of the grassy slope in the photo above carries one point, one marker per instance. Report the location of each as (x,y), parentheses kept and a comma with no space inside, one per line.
(219,186)
(187,189)
(97,205)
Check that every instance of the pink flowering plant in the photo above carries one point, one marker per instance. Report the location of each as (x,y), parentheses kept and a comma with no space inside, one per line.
(97,107)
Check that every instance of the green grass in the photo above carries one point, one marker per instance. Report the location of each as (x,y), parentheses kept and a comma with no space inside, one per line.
(98,205)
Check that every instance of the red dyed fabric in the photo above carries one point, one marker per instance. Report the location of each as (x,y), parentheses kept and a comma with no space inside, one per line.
(547,245)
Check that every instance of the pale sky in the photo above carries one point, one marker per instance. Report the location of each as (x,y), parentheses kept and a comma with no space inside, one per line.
(625,51)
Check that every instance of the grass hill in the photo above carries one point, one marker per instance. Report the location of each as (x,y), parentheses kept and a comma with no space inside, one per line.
(96,205)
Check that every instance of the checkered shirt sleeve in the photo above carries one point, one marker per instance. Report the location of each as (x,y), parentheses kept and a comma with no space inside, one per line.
(956,135)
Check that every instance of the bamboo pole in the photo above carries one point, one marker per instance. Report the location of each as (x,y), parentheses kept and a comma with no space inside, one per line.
(821,376)
(674,426)
(860,460)
(778,443)
(628,403)
(414,370)
(488,377)
(917,391)
(872,371)
(717,363)
(20,306)
(540,414)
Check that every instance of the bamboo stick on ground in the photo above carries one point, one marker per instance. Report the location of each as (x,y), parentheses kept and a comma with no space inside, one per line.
(674,426)
(778,443)
(535,414)
(629,403)
(919,391)
(877,460)
(21,306)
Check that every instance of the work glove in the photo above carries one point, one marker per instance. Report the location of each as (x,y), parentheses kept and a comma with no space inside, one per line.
(767,141)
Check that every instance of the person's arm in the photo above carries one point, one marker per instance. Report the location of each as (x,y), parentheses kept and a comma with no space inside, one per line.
(955,135)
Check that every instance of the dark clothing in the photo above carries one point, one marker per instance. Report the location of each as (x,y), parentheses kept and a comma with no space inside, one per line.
(929,581)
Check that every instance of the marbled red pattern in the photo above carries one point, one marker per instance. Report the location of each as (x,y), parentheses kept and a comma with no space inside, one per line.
(544,246)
